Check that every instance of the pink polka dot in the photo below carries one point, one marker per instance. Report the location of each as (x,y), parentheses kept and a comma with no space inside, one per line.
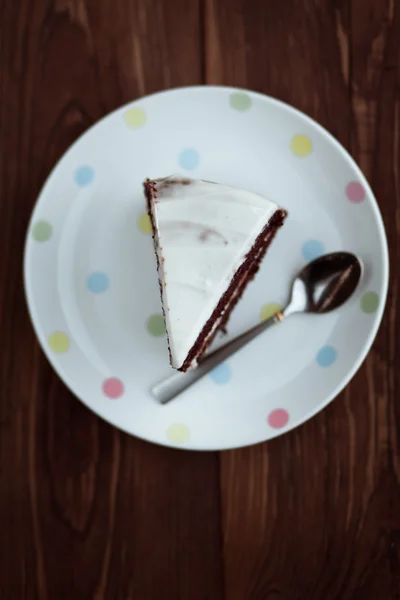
(278,418)
(355,192)
(113,388)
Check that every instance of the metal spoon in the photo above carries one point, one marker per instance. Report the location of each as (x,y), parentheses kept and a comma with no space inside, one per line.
(321,286)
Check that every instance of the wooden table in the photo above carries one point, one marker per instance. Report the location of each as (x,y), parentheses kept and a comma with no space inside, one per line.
(87,512)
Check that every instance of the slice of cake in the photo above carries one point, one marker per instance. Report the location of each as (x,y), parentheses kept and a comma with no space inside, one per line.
(209,240)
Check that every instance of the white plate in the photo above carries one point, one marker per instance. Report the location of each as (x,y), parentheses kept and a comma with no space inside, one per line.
(91,279)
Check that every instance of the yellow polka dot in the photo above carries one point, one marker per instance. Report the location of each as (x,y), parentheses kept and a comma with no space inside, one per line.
(59,342)
(268,310)
(135,117)
(178,433)
(301,145)
(144,223)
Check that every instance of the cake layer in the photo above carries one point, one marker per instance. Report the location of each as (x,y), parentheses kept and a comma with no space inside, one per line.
(233,294)
(203,234)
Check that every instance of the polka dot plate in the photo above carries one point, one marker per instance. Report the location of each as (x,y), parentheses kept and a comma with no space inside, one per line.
(91,279)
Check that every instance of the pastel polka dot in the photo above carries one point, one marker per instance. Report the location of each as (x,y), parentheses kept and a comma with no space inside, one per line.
(84,175)
(369,302)
(269,310)
(312,249)
(240,101)
(355,192)
(189,159)
(41,231)
(326,356)
(135,117)
(301,145)
(178,433)
(156,325)
(144,224)
(221,374)
(98,282)
(113,388)
(59,342)
(278,418)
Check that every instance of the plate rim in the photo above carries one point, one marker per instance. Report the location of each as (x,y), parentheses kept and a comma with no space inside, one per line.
(364,350)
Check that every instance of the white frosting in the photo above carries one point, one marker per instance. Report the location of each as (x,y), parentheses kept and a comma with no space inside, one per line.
(204,232)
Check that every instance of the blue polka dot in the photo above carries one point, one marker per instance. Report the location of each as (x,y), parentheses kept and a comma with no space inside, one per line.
(189,159)
(221,374)
(326,356)
(98,282)
(84,175)
(312,249)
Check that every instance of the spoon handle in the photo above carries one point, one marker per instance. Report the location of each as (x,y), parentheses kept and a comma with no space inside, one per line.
(175,384)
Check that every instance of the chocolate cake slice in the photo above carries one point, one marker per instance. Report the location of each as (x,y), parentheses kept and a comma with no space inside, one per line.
(209,240)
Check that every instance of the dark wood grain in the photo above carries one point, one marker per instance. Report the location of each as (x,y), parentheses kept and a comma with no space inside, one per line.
(87,512)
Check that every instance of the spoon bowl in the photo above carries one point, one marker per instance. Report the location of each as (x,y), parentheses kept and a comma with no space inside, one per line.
(325,283)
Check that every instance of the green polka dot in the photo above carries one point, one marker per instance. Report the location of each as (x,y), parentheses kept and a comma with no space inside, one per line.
(369,302)
(144,223)
(301,145)
(59,342)
(135,117)
(156,325)
(268,310)
(240,101)
(178,433)
(41,231)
